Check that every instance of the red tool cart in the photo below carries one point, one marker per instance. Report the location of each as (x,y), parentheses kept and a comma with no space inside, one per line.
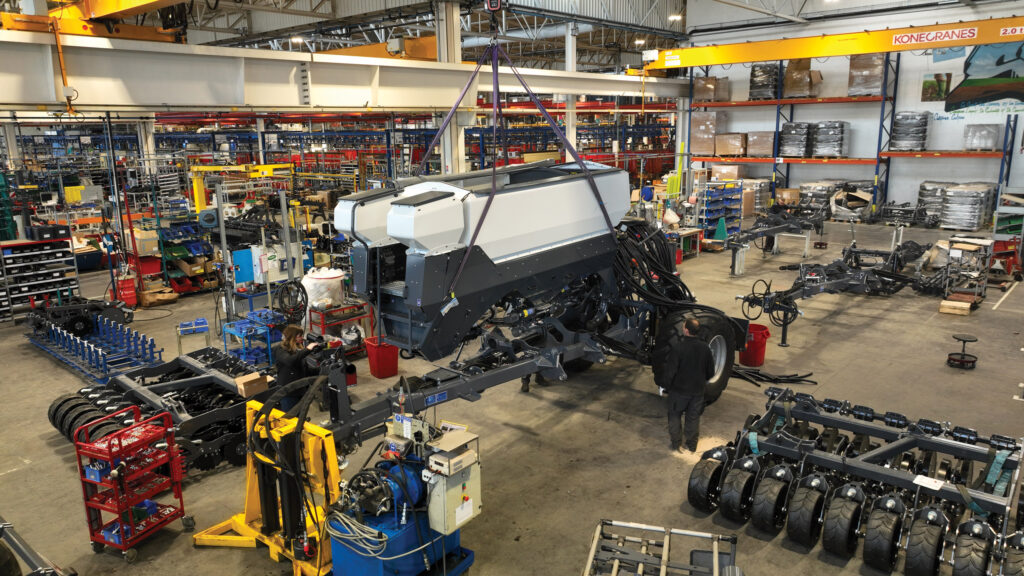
(123,473)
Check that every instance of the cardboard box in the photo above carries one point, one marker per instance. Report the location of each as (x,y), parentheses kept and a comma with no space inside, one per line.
(704,126)
(147,242)
(251,384)
(787,195)
(728,171)
(149,298)
(191,267)
(800,81)
(153,283)
(731,144)
(760,144)
(710,89)
(748,203)
(866,72)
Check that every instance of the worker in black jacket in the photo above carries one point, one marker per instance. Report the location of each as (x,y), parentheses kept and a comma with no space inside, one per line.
(290,359)
(682,365)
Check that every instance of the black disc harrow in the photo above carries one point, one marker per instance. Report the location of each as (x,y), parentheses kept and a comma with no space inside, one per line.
(197,389)
(850,477)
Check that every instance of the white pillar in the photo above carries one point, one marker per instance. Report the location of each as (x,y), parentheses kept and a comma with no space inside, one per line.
(681,127)
(260,127)
(147,141)
(13,147)
(449,49)
(570,99)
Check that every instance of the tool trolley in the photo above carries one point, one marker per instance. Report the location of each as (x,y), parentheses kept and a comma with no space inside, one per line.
(121,476)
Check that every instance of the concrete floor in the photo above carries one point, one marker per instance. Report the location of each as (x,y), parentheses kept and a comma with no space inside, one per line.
(559,459)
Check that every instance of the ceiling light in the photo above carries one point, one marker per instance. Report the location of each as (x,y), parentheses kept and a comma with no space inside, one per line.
(675,17)
(639,41)
(297,39)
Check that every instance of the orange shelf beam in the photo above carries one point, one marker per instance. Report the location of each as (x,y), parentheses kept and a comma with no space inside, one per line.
(942,154)
(733,159)
(789,101)
(859,161)
(748,160)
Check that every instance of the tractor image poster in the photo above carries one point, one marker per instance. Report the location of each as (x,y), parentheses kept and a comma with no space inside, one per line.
(992,73)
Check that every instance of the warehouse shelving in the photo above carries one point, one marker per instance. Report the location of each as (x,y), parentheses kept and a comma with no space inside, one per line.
(36,268)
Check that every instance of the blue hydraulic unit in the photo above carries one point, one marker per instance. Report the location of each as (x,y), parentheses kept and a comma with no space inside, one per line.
(403,515)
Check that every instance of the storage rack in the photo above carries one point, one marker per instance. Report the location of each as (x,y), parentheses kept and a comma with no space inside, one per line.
(36,270)
(717,200)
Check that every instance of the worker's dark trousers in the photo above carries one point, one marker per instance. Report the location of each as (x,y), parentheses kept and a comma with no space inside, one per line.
(678,405)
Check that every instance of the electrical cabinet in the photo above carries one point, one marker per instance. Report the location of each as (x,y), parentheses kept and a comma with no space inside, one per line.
(453,500)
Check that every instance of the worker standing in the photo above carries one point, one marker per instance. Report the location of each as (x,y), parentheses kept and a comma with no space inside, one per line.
(682,365)
(290,356)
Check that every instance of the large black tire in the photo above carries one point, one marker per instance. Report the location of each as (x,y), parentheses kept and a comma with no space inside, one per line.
(1013,565)
(882,533)
(804,523)
(737,492)
(8,563)
(840,532)
(971,555)
(768,512)
(96,431)
(65,407)
(81,420)
(717,331)
(70,416)
(57,403)
(924,549)
(703,489)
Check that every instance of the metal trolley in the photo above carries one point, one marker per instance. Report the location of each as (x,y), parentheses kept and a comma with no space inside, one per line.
(642,550)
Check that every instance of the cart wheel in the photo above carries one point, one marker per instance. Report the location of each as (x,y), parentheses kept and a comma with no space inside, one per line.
(705,484)
(804,524)
(769,511)
(97,547)
(736,495)
(189,523)
(131,555)
(841,521)
(924,549)
(882,534)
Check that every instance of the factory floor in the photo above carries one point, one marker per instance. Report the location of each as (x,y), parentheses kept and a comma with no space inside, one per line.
(560,458)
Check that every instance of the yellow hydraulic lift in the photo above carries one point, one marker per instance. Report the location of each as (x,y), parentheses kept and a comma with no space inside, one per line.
(197,173)
(970,33)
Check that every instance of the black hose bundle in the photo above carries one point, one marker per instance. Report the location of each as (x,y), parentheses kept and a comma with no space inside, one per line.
(645,265)
(756,376)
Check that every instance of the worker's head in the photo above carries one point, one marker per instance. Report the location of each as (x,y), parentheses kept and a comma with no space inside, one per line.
(292,337)
(691,326)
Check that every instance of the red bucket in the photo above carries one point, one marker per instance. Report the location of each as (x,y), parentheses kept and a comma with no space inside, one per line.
(757,339)
(383,358)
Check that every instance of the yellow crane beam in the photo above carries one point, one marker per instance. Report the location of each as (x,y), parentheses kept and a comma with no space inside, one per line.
(970,33)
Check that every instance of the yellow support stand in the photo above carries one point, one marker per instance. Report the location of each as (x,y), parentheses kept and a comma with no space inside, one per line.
(243,530)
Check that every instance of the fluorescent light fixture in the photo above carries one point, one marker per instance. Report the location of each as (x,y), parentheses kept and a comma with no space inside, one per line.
(298,39)
(639,41)
(675,17)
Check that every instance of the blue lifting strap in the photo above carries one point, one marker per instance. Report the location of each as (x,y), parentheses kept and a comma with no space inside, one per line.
(996,468)
(752,440)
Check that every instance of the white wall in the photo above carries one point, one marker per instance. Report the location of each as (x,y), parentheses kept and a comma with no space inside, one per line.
(944,134)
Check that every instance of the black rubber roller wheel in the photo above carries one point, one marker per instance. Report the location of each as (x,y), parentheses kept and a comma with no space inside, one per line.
(882,532)
(924,549)
(57,403)
(768,513)
(1013,565)
(737,492)
(96,431)
(702,491)
(8,563)
(70,416)
(804,523)
(65,407)
(80,421)
(840,530)
(971,555)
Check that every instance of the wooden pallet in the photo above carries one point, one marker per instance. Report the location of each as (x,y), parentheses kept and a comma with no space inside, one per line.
(954,307)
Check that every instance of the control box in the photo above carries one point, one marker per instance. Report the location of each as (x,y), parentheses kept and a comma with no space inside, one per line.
(453,481)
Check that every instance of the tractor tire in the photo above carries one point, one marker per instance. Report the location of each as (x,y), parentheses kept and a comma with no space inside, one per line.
(924,549)
(768,512)
(57,403)
(81,420)
(1013,565)
(804,523)
(93,430)
(715,329)
(8,563)
(971,556)
(882,534)
(840,532)
(704,487)
(737,492)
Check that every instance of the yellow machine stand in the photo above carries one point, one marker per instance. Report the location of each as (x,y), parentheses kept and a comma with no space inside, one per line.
(321,477)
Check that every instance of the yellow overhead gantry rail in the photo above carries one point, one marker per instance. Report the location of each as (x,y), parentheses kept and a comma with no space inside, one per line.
(970,33)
